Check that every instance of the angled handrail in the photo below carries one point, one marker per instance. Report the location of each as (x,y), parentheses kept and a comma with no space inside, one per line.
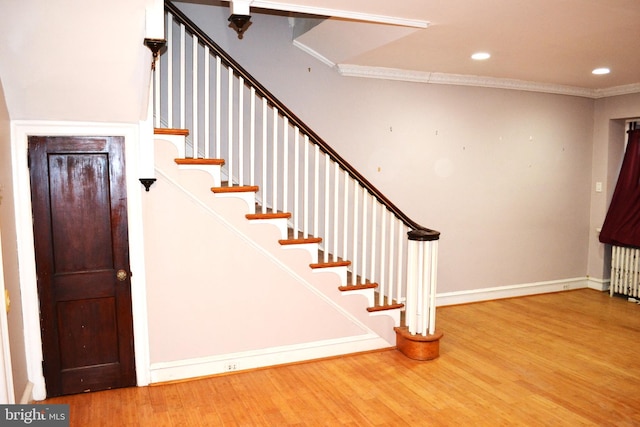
(425,234)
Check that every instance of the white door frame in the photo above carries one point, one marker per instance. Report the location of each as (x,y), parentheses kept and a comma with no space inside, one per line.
(21,130)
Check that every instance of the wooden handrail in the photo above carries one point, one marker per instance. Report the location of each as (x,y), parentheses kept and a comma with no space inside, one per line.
(426,233)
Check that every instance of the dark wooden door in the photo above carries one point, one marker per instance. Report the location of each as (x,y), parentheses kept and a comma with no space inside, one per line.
(82,261)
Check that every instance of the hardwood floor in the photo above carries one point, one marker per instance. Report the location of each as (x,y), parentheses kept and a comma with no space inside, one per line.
(565,359)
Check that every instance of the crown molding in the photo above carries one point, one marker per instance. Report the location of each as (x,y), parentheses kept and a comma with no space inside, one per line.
(306,49)
(617,90)
(339,13)
(351,70)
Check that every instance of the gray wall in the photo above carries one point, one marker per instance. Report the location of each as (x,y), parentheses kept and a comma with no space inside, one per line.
(505,175)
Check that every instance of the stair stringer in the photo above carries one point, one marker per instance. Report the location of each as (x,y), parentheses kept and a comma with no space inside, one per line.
(291,263)
(320,278)
(281,225)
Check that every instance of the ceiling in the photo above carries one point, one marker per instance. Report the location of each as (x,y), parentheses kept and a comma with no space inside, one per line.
(545,45)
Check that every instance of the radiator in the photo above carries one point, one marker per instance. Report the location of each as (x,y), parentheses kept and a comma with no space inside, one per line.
(625,271)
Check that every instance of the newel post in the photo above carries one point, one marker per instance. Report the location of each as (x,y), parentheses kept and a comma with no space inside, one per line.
(419,339)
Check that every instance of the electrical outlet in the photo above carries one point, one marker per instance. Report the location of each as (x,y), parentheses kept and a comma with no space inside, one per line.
(231,366)
(566,287)
(598,187)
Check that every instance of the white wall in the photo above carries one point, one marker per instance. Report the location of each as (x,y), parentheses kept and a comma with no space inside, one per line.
(76,61)
(505,176)
(10,257)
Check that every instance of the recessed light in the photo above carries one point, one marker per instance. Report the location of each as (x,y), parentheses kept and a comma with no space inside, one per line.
(601,71)
(480,56)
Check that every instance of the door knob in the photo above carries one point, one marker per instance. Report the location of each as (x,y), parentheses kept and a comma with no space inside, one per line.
(121,275)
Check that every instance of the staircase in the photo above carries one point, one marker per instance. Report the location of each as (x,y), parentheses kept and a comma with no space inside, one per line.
(222,121)
(288,237)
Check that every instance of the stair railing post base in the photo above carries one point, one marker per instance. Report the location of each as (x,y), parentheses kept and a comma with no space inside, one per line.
(418,347)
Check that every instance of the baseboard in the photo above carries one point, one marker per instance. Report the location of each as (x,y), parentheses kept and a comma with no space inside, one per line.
(206,366)
(598,284)
(486,294)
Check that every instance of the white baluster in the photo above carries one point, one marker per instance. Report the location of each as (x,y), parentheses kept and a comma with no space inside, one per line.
(183,84)
(252,136)
(229,161)
(365,209)
(326,208)
(336,207)
(433,286)
(425,281)
(170,72)
(356,202)
(157,93)
(296,183)
(316,189)
(373,250)
(392,245)
(194,96)
(401,263)
(345,217)
(263,184)
(218,103)
(240,131)
(412,285)
(207,100)
(383,257)
(305,190)
(285,164)
(274,160)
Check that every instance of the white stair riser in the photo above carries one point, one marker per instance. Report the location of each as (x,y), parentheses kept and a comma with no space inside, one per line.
(280,223)
(312,248)
(368,293)
(248,197)
(340,271)
(213,170)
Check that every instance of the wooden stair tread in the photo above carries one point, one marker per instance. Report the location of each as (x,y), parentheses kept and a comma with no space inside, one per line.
(384,307)
(214,162)
(293,237)
(358,287)
(235,189)
(331,264)
(171,131)
(275,215)
(300,241)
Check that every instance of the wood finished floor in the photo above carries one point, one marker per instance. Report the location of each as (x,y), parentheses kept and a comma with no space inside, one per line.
(565,359)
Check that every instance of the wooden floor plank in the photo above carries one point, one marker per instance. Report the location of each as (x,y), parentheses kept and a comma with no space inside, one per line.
(560,359)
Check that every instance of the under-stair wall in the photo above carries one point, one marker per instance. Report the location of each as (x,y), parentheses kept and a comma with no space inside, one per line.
(224,295)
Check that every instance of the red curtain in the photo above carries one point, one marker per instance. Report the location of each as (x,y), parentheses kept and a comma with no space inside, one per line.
(622,223)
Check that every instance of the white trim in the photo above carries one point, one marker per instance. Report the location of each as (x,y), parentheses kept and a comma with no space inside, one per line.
(27,394)
(306,49)
(617,90)
(488,294)
(21,130)
(6,378)
(598,284)
(351,70)
(200,367)
(339,13)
